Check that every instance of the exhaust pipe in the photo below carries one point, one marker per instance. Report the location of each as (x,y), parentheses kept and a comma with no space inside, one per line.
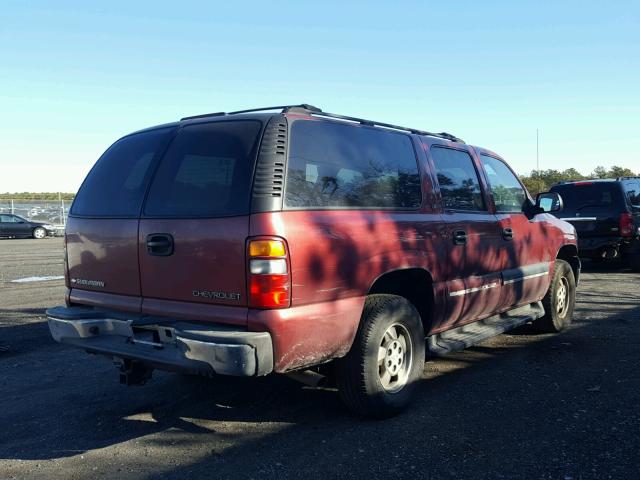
(308,378)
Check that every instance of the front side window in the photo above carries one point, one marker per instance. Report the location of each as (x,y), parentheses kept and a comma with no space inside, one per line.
(345,166)
(508,193)
(458,180)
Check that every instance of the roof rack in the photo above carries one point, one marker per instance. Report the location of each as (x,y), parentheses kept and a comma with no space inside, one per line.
(305,107)
(315,111)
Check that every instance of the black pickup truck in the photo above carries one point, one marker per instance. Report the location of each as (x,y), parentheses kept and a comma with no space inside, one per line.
(606,215)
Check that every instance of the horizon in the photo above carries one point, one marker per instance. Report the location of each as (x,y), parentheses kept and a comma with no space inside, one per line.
(77,77)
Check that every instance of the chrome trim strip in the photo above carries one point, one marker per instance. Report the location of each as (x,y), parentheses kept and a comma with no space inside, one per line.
(521,279)
(457,293)
(578,219)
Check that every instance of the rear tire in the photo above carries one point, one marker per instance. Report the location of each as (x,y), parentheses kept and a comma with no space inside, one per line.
(39,233)
(560,300)
(634,262)
(378,376)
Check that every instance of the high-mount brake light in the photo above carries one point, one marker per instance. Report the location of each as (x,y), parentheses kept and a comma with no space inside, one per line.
(626,225)
(269,277)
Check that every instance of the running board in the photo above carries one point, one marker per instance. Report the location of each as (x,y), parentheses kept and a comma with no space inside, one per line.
(471,334)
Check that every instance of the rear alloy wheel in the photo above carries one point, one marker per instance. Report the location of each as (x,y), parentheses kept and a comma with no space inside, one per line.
(559,301)
(378,375)
(39,233)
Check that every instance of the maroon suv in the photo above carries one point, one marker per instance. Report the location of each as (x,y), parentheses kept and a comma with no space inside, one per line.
(254,242)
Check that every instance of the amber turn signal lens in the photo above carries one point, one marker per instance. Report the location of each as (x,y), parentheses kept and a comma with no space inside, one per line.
(266,248)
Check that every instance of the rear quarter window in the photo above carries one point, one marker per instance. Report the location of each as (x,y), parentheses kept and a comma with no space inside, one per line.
(116,184)
(333,165)
(632,192)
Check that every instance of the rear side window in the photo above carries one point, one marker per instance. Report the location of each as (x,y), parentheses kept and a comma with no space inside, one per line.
(206,171)
(508,194)
(115,185)
(343,166)
(458,180)
(632,191)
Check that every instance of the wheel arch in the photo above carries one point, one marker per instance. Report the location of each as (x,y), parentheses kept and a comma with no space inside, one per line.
(413,283)
(569,253)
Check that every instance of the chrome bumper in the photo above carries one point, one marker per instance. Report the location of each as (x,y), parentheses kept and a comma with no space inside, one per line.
(164,343)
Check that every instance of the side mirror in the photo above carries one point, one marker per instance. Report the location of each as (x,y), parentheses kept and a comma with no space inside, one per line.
(549,202)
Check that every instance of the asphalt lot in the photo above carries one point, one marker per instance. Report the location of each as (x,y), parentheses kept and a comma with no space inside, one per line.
(518,406)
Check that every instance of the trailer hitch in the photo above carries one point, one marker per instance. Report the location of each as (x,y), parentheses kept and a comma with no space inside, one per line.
(133,372)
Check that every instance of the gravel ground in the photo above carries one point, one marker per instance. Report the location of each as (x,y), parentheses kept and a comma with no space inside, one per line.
(518,406)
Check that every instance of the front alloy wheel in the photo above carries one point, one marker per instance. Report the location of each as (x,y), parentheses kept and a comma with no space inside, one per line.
(559,301)
(39,233)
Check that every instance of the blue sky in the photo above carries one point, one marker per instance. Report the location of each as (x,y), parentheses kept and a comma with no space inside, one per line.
(75,76)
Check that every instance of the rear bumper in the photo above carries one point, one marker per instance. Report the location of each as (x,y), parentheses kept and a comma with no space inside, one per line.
(591,247)
(164,343)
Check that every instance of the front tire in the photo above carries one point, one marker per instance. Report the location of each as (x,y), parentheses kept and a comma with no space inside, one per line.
(378,376)
(39,233)
(560,300)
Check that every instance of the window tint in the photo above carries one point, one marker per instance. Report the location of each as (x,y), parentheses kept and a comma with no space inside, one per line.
(508,194)
(336,165)
(632,191)
(458,179)
(589,197)
(116,184)
(206,171)
(6,218)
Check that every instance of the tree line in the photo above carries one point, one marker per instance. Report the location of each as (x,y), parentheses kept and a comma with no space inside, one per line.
(37,196)
(538,181)
(542,180)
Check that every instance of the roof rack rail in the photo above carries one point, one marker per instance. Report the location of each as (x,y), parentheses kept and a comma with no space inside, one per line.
(310,109)
(284,108)
(373,123)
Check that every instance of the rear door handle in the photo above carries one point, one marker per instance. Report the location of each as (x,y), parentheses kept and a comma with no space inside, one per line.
(459,237)
(160,244)
(507,233)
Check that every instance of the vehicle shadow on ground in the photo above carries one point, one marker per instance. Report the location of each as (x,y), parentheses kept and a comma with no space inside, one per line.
(505,394)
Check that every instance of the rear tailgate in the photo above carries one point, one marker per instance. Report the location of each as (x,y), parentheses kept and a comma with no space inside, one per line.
(593,208)
(199,202)
(102,230)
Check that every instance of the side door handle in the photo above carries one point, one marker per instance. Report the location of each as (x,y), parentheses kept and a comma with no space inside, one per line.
(507,233)
(160,244)
(459,237)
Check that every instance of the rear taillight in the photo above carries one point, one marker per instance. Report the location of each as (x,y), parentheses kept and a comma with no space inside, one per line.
(626,225)
(268,270)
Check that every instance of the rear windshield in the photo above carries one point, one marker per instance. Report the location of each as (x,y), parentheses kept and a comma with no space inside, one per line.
(206,171)
(116,184)
(334,165)
(582,197)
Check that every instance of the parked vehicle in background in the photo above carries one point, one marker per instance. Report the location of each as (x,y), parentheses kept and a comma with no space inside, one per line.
(251,242)
(14,226)
(606,214)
